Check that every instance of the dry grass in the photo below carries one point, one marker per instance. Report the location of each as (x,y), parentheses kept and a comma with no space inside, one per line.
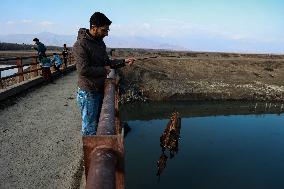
(219,76)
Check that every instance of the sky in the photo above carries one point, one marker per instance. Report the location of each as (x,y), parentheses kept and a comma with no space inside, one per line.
(200,25)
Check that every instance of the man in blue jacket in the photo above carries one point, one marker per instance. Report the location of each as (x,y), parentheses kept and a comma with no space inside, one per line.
(57,62)
(93,65)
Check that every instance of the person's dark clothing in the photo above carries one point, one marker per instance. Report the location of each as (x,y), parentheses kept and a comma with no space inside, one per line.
(45,64)
(46,73)
(65,54)
(90,57)
(40,50)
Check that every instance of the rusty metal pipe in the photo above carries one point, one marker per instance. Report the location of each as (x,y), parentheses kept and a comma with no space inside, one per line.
(104,152)
(106,124)
(101,172)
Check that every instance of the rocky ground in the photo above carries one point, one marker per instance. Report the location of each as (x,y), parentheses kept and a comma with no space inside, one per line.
(204,76)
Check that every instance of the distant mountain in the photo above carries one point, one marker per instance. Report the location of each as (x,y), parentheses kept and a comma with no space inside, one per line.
(52,39)
(139,42)
(47,38)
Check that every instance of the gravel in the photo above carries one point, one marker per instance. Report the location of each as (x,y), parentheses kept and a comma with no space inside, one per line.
(40,138)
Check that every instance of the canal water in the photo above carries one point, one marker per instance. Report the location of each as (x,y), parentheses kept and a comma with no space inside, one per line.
(224,146)
(11,71)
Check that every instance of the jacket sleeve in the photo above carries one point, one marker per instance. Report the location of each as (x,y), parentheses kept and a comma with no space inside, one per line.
(83,65)
(114,63)
(117,63)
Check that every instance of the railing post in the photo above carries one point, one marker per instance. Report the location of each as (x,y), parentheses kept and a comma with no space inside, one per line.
(34,67)
(1,83)
(70,59)
(19,63)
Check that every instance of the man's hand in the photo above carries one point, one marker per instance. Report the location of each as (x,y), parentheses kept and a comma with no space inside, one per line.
(129,61)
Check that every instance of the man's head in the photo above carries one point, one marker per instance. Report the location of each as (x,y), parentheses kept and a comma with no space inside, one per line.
(99,25)
(111,52)
(64,45)
(36,40)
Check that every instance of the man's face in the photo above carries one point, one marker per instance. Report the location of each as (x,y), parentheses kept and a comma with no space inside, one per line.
(100,31)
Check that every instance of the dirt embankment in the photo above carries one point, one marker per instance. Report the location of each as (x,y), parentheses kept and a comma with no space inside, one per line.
(206,76)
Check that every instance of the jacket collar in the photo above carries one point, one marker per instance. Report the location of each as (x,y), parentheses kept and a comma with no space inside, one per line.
(84,33)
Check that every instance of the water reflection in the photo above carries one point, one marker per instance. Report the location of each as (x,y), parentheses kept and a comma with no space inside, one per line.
(160,110)
(169,141)
(161,163)
(218,150)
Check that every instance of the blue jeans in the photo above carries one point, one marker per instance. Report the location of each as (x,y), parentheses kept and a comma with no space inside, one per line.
(90,104)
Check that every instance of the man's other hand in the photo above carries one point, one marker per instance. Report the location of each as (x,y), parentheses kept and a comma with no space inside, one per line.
(129,61)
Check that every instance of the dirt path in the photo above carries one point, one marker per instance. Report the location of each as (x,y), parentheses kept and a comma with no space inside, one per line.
(40,140)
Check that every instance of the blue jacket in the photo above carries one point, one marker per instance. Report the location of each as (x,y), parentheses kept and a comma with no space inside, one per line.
(56,59)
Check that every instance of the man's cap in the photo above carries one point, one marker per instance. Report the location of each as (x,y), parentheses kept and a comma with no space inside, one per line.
(35,39)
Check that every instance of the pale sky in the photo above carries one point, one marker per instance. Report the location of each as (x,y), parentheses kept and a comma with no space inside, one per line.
(204,25)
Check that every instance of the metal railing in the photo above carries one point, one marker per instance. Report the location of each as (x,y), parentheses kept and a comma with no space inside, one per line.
(18,77)
(104,152)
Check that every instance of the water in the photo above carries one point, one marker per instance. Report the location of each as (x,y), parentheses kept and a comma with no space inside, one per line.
(9,72)
(223,150)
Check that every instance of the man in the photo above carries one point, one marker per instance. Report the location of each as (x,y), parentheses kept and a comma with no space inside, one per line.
(56,61)
(65,53)
(43,59)
(40,48)
(93,65)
